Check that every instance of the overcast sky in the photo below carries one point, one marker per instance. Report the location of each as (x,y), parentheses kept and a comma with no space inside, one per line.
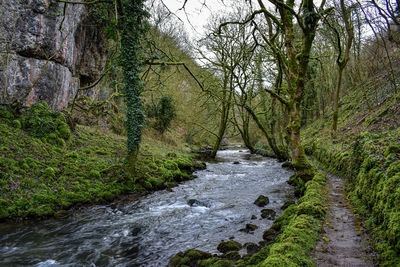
(197,13)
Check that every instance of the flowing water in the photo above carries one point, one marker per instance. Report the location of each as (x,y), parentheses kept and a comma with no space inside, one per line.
(149,231)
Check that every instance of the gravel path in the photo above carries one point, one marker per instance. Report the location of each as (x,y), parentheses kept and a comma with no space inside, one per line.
(341,243)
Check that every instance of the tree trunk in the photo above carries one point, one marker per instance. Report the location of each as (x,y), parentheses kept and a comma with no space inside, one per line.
(337,98)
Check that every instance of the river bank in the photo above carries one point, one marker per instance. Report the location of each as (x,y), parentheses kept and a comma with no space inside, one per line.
(150,230)
(47,166)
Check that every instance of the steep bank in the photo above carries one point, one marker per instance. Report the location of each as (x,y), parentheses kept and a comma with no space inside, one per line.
(46,168)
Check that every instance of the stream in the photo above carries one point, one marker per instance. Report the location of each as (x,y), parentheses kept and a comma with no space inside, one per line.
(149,231)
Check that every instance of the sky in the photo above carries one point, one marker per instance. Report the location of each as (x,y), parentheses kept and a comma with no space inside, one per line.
(196,13)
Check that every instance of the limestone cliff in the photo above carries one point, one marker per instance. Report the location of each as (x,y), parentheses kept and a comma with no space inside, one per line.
(48,49)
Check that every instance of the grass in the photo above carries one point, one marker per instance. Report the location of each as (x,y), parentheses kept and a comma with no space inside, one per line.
(45,168)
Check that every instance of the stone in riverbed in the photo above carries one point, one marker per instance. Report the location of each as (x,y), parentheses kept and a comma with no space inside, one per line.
(232,255)
(261,201)
(250,228)
(251,248)
(226,246)
(268,214)
(270,235)
(189,258)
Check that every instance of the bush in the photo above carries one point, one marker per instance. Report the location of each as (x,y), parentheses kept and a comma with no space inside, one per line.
(162,113)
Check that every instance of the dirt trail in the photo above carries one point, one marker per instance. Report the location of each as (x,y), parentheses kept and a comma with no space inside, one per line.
(340,243)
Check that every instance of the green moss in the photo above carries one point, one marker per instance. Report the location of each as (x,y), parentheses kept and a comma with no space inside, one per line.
(231,245)
(372,167)
(189,258)
(16,124)
(94,174)
(49,172)
(261,201)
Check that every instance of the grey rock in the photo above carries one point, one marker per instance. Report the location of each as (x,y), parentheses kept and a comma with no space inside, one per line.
(34,33)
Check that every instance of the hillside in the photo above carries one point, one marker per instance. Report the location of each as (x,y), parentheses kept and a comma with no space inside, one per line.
(366,152)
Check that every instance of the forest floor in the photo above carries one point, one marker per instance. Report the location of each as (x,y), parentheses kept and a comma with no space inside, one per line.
(343,241)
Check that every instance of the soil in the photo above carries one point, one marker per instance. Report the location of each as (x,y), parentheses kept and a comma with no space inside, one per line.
(342,242)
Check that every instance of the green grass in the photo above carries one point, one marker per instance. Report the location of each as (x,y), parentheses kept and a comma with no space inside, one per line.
(45,167)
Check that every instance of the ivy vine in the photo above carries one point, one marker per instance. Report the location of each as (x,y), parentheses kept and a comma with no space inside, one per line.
(133,27)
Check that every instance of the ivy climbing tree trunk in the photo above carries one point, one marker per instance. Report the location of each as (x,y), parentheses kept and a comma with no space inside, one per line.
(132,28)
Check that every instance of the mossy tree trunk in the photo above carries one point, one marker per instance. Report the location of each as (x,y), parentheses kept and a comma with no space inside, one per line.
(295,60)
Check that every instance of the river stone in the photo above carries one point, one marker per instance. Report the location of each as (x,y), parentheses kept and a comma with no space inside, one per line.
(253,217)
(226,246)
(236,162)
(197,203)
(189,258)
(270,235)
(251,248)
(250,228)
(231,255)
(287,204)
(135,231)
(268,214)
(261,201)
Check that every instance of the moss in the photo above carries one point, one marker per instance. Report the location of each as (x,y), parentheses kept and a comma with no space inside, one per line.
(16,124)
(155,183)
(392,149)
(226,246)
(38,176)
(261,201)
(49,172)
(372,167)
(231,255)
(94,174)
(189,257)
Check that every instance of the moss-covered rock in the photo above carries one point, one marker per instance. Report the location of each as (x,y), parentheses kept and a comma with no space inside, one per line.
(261,201)
(268,214)
(231,255)
(231,245)
(189,258)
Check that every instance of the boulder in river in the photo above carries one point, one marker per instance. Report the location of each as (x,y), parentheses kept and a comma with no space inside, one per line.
(270,235)
(268,214)
(232,255)
(251,248)
(249,228)
(189,257)
(261,201)
(197,203)
(231,245)
(236,162)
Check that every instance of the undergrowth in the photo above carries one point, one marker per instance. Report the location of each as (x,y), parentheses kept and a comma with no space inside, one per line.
(46,168)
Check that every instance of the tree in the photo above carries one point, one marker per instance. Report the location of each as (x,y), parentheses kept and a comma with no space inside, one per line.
(343,44)
(163,113)
(298,29)
(132,27)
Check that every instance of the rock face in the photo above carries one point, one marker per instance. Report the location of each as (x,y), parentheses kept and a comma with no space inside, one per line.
(48,49)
